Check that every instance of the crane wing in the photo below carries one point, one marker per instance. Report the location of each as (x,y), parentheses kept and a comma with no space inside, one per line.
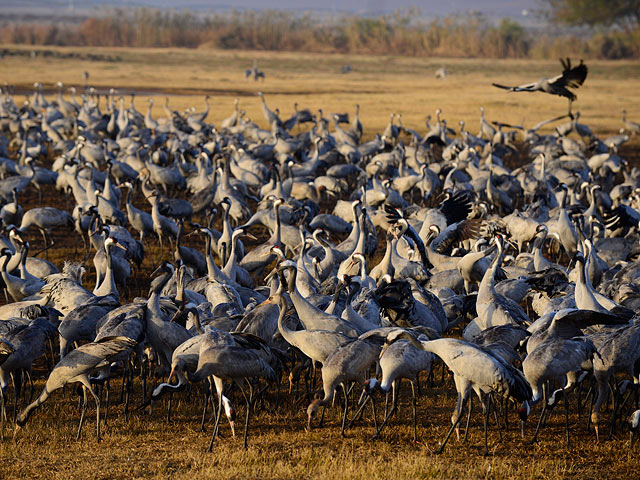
(457,207)
(504,87)
(457,233)
(571,77)
(571,324)
(527,87)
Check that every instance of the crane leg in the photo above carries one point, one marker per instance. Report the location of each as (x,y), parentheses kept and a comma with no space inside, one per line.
(143,375)
(169,407)
(127,391)
(394,408)
(466,428)
(446,439)
(486,407)
(161,248)
(346,408)
(204,411)
(106,406)
(591,401)
(84,410)
(3,415)
(415,412)
(50,361)
(324,409)
(505,411)
(214,409)
(17,388)
(386,404)
(215,427)
(275,407)
(249,402)
(375,417)
(31,389)
(544,411)
(565,399)
(313,377)
(125,372)
(580,405)
(358,413)
(626,399)
(97,399)
(495,416)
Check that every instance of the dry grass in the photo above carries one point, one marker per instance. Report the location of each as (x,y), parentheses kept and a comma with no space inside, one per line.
(380,84)
(279,447)
(149,446)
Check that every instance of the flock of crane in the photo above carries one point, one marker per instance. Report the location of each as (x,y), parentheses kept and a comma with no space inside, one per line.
(525,283)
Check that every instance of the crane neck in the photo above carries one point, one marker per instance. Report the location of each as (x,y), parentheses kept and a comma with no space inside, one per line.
(284,329)
(331,309)
(180,286)
(360,244)
(488,280)
(153,304)
(231,258)
(276,238)
(108,285)
(211,264)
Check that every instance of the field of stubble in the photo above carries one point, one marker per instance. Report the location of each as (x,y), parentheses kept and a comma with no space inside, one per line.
(279,447)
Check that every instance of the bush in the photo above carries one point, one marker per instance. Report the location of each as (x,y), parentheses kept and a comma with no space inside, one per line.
(469,35)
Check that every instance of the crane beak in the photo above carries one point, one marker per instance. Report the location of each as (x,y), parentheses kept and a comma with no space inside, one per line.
(157,271)
(232,424)
(16,430)
(250,236)
(512,243)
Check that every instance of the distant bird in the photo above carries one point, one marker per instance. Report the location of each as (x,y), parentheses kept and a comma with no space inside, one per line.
(571,77)
(441,73)
(632,127)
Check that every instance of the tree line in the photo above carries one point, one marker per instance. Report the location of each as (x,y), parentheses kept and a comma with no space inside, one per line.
(469,35)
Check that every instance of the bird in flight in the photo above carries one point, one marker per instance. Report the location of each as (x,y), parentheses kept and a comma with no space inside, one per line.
(571,77)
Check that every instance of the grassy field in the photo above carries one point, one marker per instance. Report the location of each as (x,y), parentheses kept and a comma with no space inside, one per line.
(279,447)
(380,84)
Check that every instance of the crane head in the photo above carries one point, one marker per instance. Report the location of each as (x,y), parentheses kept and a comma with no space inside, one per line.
(114,241)
(164,267)
(280,253)
(370,386)
(312,411)
(542,228)
(524,410)
(230,412)
(358,257)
